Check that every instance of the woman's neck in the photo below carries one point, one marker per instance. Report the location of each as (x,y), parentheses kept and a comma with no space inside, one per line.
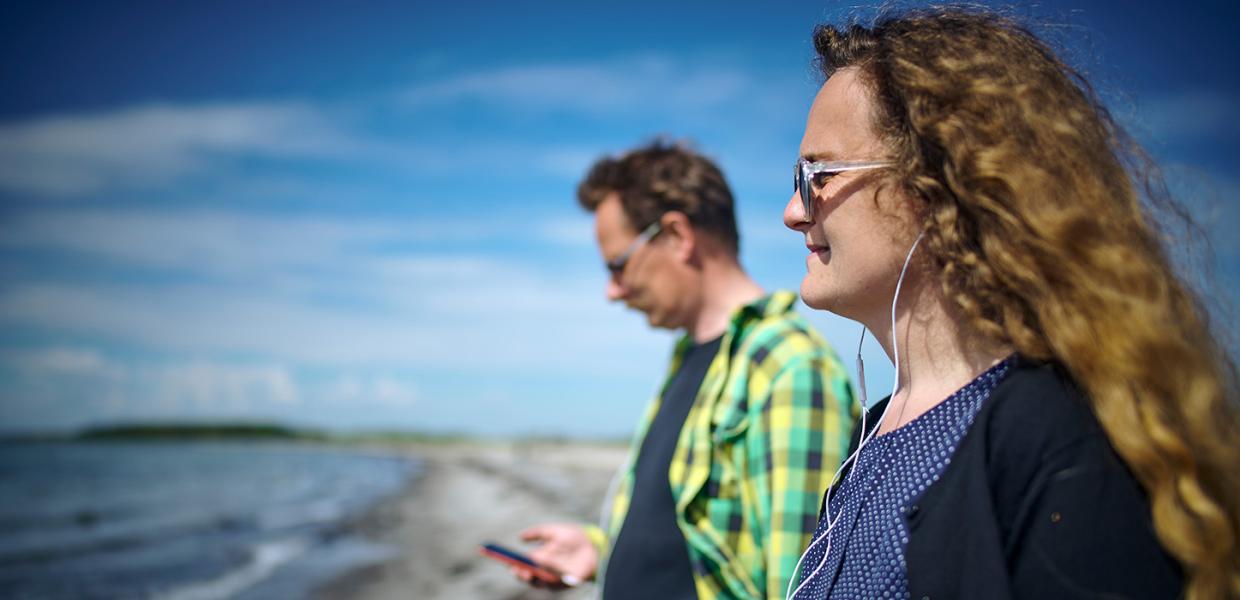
(938,353)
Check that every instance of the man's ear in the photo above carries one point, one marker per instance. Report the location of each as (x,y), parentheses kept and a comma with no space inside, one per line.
(680,234)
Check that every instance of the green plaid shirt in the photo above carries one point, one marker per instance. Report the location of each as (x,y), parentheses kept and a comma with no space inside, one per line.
(766,432)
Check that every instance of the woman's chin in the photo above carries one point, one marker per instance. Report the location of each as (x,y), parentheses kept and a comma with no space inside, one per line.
(813,296)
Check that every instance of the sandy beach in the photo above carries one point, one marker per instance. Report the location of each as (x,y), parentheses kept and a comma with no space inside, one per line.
(470,493)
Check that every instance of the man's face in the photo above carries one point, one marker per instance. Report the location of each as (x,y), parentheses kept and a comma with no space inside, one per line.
(648,282)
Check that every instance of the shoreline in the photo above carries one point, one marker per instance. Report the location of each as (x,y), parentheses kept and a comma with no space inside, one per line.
(469,493)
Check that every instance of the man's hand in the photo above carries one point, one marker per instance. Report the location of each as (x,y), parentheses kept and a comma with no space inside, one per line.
(564,547)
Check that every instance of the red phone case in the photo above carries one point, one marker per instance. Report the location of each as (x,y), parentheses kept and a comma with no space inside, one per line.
(516,559)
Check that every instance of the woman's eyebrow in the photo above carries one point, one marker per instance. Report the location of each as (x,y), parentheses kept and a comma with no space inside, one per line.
(820,156)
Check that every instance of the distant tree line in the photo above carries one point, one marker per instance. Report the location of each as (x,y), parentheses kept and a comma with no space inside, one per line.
(181,431)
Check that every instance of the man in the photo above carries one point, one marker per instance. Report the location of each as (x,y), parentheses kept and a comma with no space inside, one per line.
(723,483)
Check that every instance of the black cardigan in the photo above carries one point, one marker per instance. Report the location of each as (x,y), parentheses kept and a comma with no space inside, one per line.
(1035,504)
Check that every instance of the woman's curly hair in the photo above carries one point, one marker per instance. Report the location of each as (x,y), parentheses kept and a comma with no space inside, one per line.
(1039,216)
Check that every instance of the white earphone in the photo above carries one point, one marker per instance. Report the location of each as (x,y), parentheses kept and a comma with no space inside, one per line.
(895,386)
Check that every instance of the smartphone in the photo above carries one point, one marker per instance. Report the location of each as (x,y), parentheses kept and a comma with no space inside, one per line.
(541,572)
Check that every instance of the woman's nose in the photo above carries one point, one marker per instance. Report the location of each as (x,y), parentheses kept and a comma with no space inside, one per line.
(794,213)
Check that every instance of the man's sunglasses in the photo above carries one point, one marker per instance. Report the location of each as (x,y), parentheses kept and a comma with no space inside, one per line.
(617,264)
(809,176)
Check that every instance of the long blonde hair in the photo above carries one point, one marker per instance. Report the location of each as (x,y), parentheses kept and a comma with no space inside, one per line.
(1038,216)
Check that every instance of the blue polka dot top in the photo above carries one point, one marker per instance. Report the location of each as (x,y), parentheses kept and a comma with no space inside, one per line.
(863,556)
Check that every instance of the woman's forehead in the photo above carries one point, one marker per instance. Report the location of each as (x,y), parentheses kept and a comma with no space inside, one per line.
(838,126)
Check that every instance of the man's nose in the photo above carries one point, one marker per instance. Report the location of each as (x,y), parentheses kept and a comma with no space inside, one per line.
(615,291)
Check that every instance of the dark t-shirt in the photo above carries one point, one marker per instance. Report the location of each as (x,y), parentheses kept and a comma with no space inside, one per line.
(650,558)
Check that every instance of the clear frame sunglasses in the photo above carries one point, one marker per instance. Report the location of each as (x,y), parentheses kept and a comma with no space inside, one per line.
(808,176)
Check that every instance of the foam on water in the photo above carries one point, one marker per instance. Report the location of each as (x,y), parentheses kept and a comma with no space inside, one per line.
(265,559)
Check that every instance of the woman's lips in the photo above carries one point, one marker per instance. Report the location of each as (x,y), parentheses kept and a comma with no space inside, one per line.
(821,251)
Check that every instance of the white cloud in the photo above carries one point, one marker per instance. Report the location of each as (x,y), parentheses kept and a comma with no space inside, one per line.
(158,147)
(154,146)
(512,320)
(232,245)
(570,163)
(576,231)
(215,387)
(222,242)
(64,380)
(600,88)
(64,361)
(381,390)
(76,154)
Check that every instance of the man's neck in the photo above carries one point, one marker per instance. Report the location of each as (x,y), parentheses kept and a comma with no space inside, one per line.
(725,288)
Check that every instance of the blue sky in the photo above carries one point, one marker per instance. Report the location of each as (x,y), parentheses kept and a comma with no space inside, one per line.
(362,216)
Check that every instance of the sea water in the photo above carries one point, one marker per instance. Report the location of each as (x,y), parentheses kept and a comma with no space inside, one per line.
(185,520)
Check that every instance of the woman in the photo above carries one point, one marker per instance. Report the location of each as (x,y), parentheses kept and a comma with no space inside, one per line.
(1064,421)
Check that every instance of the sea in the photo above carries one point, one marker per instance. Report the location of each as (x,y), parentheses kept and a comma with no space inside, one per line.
(186,520)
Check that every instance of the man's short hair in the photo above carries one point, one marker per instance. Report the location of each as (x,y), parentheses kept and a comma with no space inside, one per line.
(661,177)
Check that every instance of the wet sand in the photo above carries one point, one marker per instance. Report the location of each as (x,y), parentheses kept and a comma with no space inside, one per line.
(470,493)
